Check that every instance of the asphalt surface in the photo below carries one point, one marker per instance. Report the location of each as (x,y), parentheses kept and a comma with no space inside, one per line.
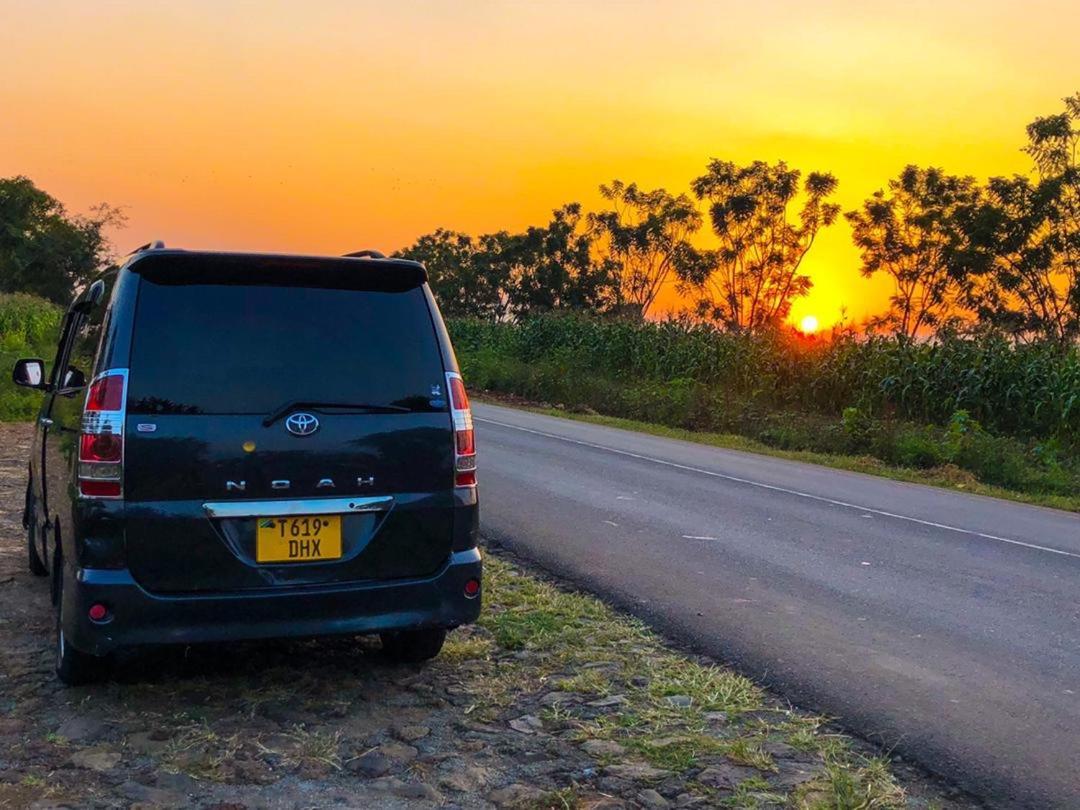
(942,625)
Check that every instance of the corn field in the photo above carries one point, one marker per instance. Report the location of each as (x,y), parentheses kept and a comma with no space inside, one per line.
(1026,391)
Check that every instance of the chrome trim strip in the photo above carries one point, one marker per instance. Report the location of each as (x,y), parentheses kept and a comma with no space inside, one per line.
(312,506)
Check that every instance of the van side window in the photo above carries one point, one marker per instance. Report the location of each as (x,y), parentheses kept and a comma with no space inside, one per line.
(62,346)
(79,342)
(84,346)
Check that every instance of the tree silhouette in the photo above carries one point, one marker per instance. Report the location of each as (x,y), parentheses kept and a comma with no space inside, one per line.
(1029,233)
(553,267)
(503,274)
(466,285)
(43,249)
(917,233)
(750,281)
(646,236)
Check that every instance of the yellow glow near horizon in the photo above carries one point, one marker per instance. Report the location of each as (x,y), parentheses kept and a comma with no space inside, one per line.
(809,324)
(333,125)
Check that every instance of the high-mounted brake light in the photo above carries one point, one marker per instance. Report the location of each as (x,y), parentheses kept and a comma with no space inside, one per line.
(101,443)
(464,439)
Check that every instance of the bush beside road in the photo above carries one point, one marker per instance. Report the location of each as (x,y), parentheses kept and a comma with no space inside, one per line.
(29,327)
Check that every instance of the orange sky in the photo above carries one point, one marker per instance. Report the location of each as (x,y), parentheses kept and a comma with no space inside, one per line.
(329,126)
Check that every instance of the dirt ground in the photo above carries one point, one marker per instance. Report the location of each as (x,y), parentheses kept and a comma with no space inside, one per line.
(331,723)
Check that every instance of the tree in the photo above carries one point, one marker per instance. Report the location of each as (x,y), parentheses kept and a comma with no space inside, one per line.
(1028,233)
(752,278)
(503,274)
(553,267)
(463,277)
(918,234)
(646,235)
(43,249)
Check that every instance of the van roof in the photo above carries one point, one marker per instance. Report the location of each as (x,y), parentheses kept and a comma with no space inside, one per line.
(177,266)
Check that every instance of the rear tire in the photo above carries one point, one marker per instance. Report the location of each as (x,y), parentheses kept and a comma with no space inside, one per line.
(37,565)
(74,667)
(413,646)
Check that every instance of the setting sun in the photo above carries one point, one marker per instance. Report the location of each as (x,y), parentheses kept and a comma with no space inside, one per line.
(809,324)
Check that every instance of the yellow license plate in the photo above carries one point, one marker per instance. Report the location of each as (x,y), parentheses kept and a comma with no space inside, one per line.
(301,538)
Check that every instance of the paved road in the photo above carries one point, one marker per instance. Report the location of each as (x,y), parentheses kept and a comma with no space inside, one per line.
(944,624)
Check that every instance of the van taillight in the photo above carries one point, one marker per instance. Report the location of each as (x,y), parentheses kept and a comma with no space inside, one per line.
(101,443)
(101,447)
(106,393)
(464,439)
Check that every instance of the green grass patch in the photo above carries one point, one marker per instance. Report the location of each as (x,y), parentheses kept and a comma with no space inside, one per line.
(866,787)
(677,753)
(545,638)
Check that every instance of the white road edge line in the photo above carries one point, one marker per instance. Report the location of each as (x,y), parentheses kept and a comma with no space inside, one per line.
(785,490)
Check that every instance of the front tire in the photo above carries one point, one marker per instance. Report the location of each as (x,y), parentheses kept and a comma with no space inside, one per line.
(413,646)
(73,667)
(37,565)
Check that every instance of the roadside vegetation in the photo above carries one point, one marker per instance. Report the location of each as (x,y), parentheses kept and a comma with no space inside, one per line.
(957,410)
(29,327)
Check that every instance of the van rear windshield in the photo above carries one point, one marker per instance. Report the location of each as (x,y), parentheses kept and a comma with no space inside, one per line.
(252,348)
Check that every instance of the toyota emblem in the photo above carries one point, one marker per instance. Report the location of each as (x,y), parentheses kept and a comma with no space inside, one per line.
(302,424)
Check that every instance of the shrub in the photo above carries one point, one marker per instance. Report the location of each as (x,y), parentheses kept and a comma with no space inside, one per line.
(1029,391)
(918,448)
(1008,414)
(27,321)
(29,326)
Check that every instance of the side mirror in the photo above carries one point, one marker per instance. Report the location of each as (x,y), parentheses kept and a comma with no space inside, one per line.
(73,379)
(29,373)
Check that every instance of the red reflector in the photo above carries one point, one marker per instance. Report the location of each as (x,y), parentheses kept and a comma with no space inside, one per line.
(100,447)
(466,442)
(472,588)
(106,394)
(465,479)
(98,612)
(99,489)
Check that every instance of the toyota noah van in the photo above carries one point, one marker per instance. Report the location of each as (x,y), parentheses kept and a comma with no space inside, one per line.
(243,446)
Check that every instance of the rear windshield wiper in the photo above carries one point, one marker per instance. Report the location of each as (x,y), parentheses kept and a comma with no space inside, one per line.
(289,407)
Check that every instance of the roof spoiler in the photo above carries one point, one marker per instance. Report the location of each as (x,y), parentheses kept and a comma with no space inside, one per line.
(205,267)
(157,244)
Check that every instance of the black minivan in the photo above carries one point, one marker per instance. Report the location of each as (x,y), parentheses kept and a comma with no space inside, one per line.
(243,446)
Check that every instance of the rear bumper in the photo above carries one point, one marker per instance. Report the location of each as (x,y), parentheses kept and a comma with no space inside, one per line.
(141,618)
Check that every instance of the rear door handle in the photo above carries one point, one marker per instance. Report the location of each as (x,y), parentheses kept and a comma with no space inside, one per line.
(45,421)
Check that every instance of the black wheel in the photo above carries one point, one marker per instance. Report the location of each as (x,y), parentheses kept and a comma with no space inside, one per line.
(73,667)
(413,646)
(37,565)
